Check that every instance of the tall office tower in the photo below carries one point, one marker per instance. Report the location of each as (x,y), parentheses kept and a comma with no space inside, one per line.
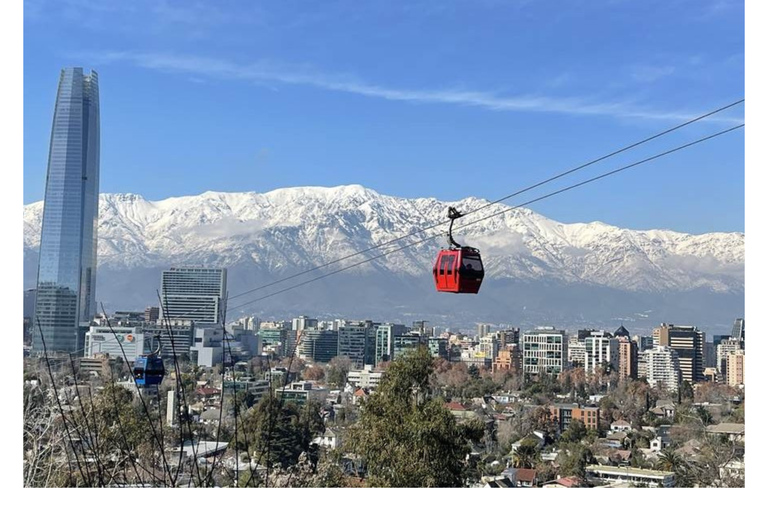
(688,342)
(193,293)
(385,334)
(66,275)
(627,359)
(303,322)
(353,340)
(404,343)
(662,367)
(738,329)
(483,330)
(326,344)
(545,350)
(601,350)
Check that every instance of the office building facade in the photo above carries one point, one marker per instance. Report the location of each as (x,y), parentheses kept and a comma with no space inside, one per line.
(688,342)
(193,294)
(544,351)
(66,276)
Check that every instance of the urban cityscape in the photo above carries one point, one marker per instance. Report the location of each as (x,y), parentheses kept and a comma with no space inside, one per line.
(189,391)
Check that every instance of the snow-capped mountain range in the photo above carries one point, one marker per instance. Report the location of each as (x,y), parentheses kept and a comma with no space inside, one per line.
(266,236)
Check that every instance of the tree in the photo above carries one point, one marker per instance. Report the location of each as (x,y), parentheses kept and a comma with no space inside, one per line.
(526,454)
(314,373)
(573,459)
(575,432)
(281,431)
(338,368)
(406,436)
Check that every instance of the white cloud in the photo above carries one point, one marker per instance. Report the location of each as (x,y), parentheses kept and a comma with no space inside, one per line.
(265,73)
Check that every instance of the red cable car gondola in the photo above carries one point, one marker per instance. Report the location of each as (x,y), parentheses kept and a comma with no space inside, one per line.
(458,269)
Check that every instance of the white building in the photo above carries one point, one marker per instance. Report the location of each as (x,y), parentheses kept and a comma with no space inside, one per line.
(365,378)
(662,367)
(576,352)
(545,350)
(193,293)
(600,348)
(101,340)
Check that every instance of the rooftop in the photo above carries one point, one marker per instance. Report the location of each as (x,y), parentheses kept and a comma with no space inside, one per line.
(614,470)
(726,428)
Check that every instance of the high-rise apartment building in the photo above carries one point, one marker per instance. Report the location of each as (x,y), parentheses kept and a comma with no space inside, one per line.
(735,368)
(662,367)
(509,359)
(544,351)
(628,356)
(66,275)
(688,342)
(726,347)
(601,350)
(483,330)
(193,293)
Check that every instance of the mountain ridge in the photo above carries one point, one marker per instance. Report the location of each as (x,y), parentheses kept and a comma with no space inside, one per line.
(280,232)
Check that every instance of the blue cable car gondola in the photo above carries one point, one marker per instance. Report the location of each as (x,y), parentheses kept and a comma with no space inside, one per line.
(149,370)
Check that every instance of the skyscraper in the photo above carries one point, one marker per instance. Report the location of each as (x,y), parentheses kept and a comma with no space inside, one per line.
(193,293)
(688,342)
(66,275)
(738,329)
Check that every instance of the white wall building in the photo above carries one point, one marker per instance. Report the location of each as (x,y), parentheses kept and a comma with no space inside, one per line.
(100,340)
(545,350)
(600,348)
(365,378)
(662,367)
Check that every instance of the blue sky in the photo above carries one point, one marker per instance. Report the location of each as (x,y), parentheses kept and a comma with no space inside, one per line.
(414,99)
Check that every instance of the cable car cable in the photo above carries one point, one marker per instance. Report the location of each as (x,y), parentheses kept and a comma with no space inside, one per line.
(509,196)
(180,386)
(161,444)
(506,210)
(61,409)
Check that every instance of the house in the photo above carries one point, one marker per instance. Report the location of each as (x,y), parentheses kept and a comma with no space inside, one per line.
(536,436)
(620,426)
(499,483)
(664,409)
(617,436)
(459,411)
(620,457)
(330,439)
(568,481)
(734,431)
(628,475)
(521,477)
(358,396)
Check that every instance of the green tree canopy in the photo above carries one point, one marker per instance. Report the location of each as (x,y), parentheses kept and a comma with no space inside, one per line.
(407,437)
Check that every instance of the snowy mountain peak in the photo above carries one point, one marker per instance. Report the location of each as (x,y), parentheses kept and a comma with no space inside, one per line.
(301,227)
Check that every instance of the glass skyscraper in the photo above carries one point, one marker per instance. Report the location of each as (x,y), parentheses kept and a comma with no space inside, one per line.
(66,275)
